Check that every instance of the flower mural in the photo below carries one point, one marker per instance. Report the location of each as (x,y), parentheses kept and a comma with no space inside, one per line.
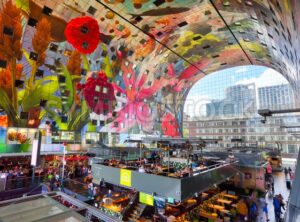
(137,110)
(170,126)
(3,121)
(83,33)
(98,93)
(148,68)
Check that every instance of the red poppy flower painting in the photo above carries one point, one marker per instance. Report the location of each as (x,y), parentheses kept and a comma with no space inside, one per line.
(170,126)
(83,33)
(99,94)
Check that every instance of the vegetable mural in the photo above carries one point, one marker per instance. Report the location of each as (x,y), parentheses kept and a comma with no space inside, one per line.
(80,62)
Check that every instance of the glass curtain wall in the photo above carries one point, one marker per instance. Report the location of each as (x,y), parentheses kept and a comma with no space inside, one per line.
(224,105)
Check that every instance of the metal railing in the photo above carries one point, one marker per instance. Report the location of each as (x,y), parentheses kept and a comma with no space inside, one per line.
(214,166)
(23,182)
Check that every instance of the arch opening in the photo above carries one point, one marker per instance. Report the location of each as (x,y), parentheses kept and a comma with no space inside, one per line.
(224,105)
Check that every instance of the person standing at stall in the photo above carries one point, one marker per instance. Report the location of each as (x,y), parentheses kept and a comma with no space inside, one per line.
(90,189)
(242,210)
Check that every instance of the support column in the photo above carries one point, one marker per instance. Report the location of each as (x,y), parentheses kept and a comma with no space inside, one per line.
(293,211)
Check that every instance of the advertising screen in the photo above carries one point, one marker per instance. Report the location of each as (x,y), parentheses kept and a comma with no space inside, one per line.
(146,199)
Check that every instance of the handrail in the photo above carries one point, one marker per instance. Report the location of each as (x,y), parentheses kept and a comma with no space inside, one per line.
(214,167)
(91,209)
(133,201)
(209,168)
(22,182)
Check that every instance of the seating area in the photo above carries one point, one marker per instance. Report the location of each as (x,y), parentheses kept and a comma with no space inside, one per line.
(164,168)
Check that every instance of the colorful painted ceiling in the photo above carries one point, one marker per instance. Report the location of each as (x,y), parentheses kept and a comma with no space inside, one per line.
(127,65)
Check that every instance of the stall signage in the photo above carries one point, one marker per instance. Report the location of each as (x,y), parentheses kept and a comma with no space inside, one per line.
(171,200)
(125,177)
(146,199)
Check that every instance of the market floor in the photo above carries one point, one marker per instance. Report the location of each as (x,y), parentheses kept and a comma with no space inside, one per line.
(280,188)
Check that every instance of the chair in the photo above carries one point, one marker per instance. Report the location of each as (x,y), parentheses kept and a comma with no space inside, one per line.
(226,219)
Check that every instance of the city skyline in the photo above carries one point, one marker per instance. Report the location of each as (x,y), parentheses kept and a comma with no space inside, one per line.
(213,87)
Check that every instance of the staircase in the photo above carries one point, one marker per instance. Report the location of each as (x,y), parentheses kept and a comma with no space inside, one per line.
(137,212)
(134,210)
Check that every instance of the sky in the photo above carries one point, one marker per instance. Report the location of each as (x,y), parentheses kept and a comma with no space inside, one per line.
(212,86)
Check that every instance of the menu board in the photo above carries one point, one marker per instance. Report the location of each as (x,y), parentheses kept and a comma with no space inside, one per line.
(125,177)
(146,199)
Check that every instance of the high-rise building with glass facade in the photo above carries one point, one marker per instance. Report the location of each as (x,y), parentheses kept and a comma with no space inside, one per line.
(239,100)
(276,97)
(232,112)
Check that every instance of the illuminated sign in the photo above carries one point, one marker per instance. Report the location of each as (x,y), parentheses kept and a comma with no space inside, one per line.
(146,199)
(171,200)
(125,177)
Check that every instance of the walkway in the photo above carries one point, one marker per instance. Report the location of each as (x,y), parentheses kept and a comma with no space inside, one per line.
(280,187)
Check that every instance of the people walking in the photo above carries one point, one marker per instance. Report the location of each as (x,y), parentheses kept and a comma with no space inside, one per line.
(265,210)
(285,172)
(290,171)
(272,184)
(281,201)
(277,208)
(253,212)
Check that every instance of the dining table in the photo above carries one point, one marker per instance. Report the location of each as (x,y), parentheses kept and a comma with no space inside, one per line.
(230,196)
(224,201)
(216,207)
(208,215)
(224,211)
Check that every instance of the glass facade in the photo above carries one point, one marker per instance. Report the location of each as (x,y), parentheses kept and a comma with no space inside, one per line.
(229,105)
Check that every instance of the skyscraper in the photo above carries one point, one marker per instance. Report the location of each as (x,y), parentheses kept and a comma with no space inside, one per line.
(239,100)
(276,97)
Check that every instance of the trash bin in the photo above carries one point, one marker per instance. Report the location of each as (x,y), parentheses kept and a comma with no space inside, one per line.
(288,184)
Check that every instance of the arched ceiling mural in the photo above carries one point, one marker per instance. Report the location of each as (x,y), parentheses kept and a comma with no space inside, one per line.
(127,65)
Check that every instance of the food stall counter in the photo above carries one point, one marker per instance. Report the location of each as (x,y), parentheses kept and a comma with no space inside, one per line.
(113,207)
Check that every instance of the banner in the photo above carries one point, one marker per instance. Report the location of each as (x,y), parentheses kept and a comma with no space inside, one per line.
(146,199)
(125,177)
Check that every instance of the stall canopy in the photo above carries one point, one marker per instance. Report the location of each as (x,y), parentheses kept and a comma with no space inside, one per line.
(43,209)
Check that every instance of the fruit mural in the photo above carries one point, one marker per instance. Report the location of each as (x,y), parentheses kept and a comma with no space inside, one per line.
(128,65)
